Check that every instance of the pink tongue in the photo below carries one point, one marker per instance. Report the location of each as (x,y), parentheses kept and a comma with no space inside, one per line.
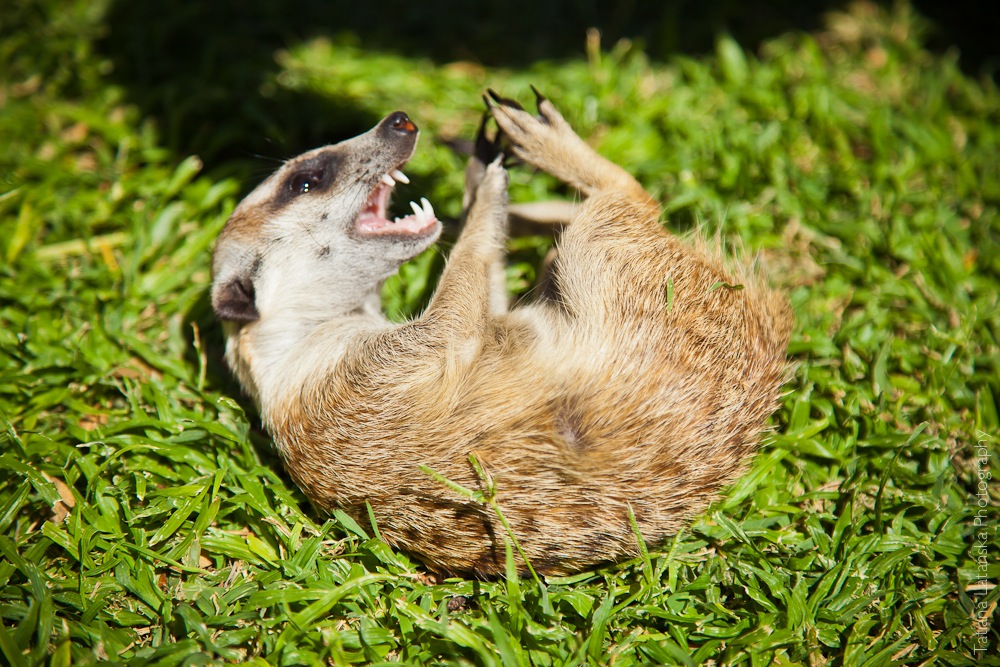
(370,223)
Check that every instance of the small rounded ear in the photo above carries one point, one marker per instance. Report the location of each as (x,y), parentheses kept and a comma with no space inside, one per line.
(234,300)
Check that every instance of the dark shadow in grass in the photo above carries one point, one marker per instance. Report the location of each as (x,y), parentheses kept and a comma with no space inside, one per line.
(219,379)
(200,68)
(971,26)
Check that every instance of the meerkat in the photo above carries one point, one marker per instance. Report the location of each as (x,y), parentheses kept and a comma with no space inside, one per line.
(634,390)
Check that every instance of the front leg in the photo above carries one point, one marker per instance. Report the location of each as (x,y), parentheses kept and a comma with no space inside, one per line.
(472,286)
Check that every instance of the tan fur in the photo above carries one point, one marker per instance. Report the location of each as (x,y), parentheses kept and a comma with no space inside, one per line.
(606,395)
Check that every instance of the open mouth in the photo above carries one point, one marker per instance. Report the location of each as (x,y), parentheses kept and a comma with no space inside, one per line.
(373,220)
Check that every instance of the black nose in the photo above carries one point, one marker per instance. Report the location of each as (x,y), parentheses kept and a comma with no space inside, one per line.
(399,123)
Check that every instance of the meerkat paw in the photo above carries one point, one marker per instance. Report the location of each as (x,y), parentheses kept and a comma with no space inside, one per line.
(492,189)
(547,141)
(533,138)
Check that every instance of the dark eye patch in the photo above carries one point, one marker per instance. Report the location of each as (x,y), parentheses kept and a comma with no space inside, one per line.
(308,177)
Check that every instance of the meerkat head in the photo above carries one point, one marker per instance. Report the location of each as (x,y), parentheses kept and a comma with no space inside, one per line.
(314,241)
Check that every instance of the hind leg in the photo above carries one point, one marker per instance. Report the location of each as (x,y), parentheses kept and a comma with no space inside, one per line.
(617,206)
(548,142)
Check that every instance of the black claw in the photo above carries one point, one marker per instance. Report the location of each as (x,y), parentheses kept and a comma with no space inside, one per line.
(486,149)
(539,98)
(481,132)
(506,101)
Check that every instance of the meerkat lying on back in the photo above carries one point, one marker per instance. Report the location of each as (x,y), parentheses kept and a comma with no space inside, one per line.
(642,380)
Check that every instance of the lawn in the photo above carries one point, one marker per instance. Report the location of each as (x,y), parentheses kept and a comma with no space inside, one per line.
(145,518)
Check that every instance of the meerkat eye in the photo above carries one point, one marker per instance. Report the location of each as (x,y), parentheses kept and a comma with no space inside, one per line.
(305,181)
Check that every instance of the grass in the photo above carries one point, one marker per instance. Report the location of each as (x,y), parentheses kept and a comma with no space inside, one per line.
(145,520)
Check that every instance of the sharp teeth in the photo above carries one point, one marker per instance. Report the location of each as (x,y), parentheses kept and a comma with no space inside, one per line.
(387,179)
(428,209)
(399,176)
(417,211)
